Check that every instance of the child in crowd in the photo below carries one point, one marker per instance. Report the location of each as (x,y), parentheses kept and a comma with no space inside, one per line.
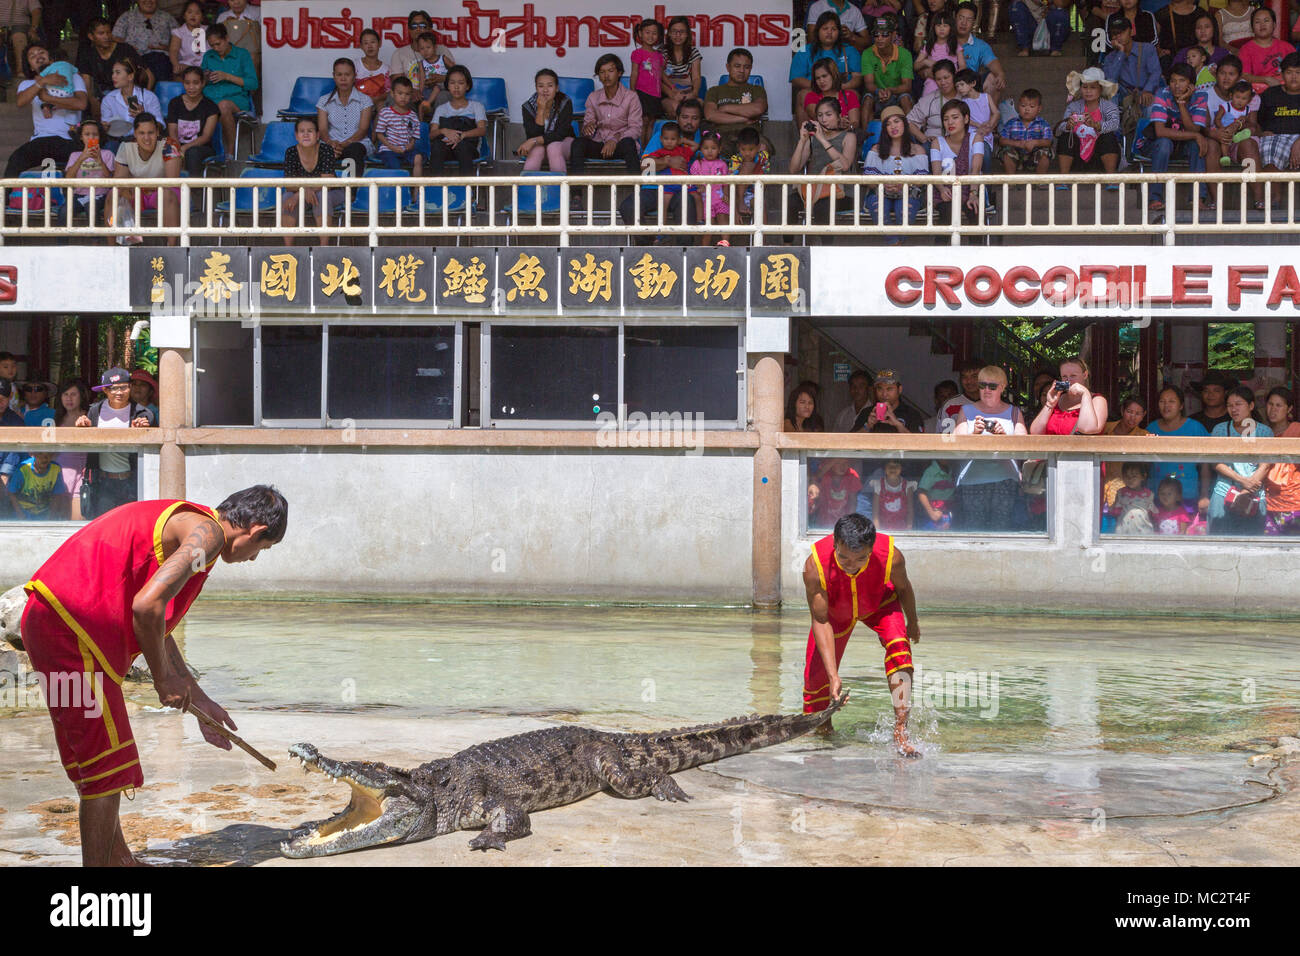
(935,493)
(749,159)
(891,501)
(1026,141)
(1171,516)
(432,65)
(984,115)
(1199,61)
(835,493)
(648,73)
(1231,117)
(397,130)
(66,72)
(34,485)
(671,144)
(92,161)
(940,44)
(1134,495)
(710,163)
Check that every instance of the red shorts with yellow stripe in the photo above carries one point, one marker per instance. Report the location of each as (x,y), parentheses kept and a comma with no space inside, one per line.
(890,626)
(96,745)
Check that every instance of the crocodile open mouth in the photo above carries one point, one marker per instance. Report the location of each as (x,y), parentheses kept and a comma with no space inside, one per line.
(372,816)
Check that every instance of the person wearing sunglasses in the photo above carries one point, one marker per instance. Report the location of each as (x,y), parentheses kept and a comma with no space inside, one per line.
(987,488)
(148,30)
(406,59)
(35,407)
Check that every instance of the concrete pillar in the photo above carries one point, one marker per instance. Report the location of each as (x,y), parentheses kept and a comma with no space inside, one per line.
(171,414)
(767,385)
(1270,355)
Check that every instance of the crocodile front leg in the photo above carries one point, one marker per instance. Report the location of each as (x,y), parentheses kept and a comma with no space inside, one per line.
(634,782)
(505,821)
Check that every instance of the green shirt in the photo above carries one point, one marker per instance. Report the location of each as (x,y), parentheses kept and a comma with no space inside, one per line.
(731,94)
(888,74)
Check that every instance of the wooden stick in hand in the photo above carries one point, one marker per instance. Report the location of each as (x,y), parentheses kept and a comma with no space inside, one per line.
(234,738)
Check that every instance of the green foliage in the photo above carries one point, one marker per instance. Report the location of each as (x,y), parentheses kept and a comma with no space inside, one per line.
(1232,346)
(146,356)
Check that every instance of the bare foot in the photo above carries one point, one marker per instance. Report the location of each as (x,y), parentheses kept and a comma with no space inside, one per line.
(903,745)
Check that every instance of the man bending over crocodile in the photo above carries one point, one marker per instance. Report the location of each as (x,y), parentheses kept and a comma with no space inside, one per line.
(856,574)
(114,590)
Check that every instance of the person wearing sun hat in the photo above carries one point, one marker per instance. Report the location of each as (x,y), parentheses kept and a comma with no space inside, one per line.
(144,391)
(1089,132)
(113,473)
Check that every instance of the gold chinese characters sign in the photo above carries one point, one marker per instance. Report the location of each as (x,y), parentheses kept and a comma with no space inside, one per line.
(668,281)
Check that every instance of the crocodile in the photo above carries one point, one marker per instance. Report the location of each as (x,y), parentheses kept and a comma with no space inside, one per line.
(494,786)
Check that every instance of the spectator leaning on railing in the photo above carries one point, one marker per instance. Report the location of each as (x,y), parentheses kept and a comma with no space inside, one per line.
(987,488)
(308,157)
(1237,502)
(149,157)
(112,473)
(801,411)
(1282,480)
(1072,409)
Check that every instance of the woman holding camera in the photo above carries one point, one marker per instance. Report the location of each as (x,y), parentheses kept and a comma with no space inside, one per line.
(987,488)
(823,148)
(1071,408)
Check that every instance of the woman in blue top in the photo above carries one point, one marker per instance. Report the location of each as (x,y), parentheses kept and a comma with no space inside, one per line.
(1194,478)
(825,43)
(1245,515)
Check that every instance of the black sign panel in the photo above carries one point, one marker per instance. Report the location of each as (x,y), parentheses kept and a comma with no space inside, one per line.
(654,279)
(529,279)
(589,280)
(404,278)
(280,278)
(219,281)
(778,280)
(157,280)
(715,279)
(341,278)
(464,279)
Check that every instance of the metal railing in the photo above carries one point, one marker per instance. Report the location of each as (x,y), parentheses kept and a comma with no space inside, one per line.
(580,208)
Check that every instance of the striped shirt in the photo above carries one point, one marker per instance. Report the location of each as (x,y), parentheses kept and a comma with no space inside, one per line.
(399,129)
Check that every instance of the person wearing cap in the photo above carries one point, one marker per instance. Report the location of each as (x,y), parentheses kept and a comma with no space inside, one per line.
(1134,67)
(144,391)
(898,417)
(1089,132)
(886,70)
(1213,390)
(35,405)
(113,473)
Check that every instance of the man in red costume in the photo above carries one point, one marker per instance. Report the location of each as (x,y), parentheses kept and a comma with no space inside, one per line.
(114,590)
(856,574)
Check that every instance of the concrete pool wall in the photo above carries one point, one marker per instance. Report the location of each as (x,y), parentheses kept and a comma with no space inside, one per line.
(658,526)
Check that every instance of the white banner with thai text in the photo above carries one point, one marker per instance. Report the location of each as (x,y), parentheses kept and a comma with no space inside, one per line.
(514,40)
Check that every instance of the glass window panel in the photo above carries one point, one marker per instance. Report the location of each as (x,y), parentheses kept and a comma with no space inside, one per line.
(557,374)
(225,384)
(291,371)
(686,369)
(391,372)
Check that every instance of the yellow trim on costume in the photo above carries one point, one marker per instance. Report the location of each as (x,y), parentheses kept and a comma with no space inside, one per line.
(57,606)
(111,750)
(847,631)
(821,572)
(889,564)
(109,724)
(816,690)
(900,667)
(96,796)
(109,773)
(162,520)
(816,700)
(893,596)
(894,641)
(898,654)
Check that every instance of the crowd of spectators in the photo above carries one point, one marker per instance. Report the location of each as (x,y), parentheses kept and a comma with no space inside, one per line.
(997,494)
(1172,82)
(71,485)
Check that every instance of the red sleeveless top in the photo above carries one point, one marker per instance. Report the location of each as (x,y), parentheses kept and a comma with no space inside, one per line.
(853,598)
(93,578)
(1062,422)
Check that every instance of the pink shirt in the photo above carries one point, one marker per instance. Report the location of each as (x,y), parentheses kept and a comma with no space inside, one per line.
(1263,61)
(652,70)
(616,118)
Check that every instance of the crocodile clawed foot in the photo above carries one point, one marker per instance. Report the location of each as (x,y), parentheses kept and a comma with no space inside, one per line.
(488,840)
(666,788)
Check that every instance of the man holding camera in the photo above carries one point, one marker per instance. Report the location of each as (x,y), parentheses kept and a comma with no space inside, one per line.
(856,574)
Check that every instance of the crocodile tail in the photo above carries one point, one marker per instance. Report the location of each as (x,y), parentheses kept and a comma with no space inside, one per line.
(686,747)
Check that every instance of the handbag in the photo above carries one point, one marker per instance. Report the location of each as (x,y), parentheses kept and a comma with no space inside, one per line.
(816,193)
(1243,504)
(88,495)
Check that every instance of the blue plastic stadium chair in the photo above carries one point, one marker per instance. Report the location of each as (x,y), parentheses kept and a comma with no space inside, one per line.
(534,200)
(388,197)
(491,92)
(58,197)
(870,138)
(755,79)
(248,198)
(483,158)
(655,140)
(458,198)
(577,88)
(219,156)
(166,91)
(276,138)
(306,91)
